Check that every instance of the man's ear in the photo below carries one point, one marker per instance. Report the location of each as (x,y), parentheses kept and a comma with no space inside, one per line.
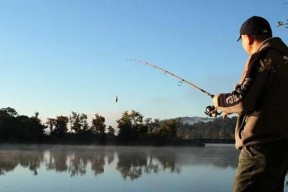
(250,39)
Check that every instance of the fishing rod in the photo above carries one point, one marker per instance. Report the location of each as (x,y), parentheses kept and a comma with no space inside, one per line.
(210,110)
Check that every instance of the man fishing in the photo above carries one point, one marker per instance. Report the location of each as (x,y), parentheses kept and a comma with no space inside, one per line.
(261,102)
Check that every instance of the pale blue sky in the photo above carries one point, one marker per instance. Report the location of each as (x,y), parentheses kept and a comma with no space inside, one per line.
(59,56)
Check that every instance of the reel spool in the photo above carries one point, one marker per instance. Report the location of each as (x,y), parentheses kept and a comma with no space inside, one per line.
(210,111)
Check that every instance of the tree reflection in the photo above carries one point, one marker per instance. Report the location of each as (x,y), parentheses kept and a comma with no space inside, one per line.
(31,159)
(77,165)
(8,162)
(134,163)
(168,161)
(131,162)
(151,167)
(10,159)
(97,163)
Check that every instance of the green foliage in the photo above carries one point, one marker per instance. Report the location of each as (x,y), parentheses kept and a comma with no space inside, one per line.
(9,112)
(61,127)
(133,129)
(29,129)
(131,126)
(168,128)
(98,128)
(98,125)
(219,128)
(51,124)
(21,128)
(78,122)
(111,131)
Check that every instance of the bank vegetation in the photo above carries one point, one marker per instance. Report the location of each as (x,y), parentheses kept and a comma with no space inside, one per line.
(132,129)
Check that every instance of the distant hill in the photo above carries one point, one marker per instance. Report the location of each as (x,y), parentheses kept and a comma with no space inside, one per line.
(193,120)
(207,128)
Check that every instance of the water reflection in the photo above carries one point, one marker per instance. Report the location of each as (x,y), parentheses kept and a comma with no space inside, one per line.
(130,162)
(133,163)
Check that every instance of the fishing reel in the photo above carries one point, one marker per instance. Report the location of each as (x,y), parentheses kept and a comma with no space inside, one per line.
(210,111)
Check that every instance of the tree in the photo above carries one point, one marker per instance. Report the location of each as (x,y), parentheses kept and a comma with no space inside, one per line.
(139,128)
(51,124)
(98,125)
(153,126)
(37,126)
(29,128)
(111,131)
(9,111)
(61,127)
(7,123)
(78,122)
(125,127)
(131,126)
(169,128)
(219,128)
(20,127)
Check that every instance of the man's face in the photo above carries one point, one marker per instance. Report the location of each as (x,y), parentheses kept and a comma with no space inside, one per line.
(246,43)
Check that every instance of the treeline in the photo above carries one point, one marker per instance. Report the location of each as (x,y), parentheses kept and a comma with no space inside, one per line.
(133,129)
(219,128)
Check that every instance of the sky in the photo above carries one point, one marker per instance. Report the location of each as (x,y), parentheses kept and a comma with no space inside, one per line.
(59,56)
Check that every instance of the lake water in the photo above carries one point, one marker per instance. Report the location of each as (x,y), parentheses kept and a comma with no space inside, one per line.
(51,168)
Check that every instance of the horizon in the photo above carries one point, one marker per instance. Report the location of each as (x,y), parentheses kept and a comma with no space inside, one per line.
(60,56)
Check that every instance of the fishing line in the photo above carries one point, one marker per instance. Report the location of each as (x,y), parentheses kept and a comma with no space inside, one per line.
(210,110)
(173,75)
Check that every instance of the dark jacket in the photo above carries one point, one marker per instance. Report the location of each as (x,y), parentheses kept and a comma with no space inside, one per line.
(261,97)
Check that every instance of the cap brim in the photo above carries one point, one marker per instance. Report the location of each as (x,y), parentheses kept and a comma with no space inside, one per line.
(239,38)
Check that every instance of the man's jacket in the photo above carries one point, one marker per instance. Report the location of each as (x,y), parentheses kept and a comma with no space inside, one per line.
(261,97)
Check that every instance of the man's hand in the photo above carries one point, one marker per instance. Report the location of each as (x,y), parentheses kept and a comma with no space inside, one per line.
(215,104)
(215,101)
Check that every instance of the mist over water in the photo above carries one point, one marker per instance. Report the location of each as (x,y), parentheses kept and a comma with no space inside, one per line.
(106,168)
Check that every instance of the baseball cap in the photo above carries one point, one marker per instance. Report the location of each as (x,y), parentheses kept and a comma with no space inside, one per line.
(255,26)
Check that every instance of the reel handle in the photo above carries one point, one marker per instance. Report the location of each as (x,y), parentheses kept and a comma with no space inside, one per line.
(210,111)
